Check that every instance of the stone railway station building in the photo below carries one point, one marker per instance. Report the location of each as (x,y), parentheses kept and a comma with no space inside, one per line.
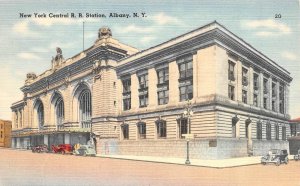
(207,82)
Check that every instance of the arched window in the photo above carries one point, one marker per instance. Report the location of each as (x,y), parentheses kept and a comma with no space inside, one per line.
(60,112)
(40,114)
(85,108)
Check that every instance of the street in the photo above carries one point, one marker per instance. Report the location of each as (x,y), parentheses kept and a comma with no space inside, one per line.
(34,169)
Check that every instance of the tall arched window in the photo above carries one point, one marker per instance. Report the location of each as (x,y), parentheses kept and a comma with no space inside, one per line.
(85,108)
(60,112)
(40,114)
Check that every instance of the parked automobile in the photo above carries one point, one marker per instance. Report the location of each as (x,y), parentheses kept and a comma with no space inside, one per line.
(297,156)
(62,148)
(39,148)
(276,156)
(84,150)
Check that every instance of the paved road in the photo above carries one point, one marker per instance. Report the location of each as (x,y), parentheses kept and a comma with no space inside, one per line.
(26,168)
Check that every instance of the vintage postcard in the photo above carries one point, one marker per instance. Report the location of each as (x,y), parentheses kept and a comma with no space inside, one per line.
(195,92)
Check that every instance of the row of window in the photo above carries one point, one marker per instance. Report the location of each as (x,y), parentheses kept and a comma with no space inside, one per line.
(265,89)
(85,110)
(185,67)
(259,130)
(161,129)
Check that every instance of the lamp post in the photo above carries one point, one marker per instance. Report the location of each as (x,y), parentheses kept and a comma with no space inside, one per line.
(187,114)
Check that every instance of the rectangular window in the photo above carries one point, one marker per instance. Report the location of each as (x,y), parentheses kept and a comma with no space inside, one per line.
(126,94)
(142,130)
(274,91)
(244,76)
(127,104)
(186,69)
(231,92)
(143,81)
(186,92)
(163,97)
(161,129)
(244,96)
(273,105)
(268,131)
(255,81)
(183,127)
(143,90)
(276,132)
(163,86)
(283,133)
(126,85)
(125,131)
(143,100)
(1,136)
(265,103)
(231,71)
(255,100)
(185,66)
(163,76)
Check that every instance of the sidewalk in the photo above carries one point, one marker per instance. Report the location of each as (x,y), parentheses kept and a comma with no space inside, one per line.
(222,163)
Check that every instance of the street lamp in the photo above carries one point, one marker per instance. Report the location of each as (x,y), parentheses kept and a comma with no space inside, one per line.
(187,113)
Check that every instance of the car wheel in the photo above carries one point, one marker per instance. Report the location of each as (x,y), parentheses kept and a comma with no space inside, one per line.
(63,152)
(278,162)
(264,163)
(286,161)
(84,153)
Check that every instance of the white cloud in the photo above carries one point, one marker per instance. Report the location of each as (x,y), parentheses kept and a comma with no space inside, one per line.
(267,27)
(11,84)
(136,29)
(289,55)
(28,56)
(22,29)
(163,19)
(147,39)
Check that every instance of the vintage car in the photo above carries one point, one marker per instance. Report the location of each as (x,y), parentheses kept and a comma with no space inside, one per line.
(62,148)
(39,148)
(297,156)
(84,150)
(276,156)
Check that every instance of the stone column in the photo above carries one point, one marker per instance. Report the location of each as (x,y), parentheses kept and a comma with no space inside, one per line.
(134,92)
(152,87)
(277,96)
(173,83)
(261,90)
(270,93)
(250,85)
(239,85)
(286,98)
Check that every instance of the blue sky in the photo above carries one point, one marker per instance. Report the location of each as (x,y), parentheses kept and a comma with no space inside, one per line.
(27,45)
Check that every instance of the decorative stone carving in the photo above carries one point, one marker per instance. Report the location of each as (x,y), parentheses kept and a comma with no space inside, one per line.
(104,32)
(57,60)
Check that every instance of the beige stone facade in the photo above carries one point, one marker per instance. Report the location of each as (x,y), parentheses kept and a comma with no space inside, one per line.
(5,133)
(208,82)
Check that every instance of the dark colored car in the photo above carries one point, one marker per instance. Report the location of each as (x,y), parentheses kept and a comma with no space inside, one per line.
(297,156)
(276,156)
(40,148)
